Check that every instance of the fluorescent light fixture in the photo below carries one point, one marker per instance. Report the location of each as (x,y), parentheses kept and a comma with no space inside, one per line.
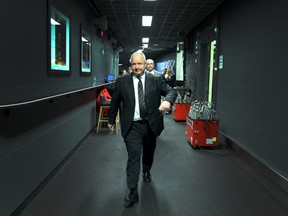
(84,39)
(149,0)
(54,22)
(145,45)
(147,20)
(145,40)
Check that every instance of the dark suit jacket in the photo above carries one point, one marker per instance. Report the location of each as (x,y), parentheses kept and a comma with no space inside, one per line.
(124,92)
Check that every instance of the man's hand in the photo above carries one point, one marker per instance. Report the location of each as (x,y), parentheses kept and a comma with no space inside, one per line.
(164,106)
(111,127)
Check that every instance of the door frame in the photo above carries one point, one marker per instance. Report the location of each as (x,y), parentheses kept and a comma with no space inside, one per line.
(207,74)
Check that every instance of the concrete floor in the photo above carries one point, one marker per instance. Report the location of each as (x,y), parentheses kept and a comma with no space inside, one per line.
(185,181)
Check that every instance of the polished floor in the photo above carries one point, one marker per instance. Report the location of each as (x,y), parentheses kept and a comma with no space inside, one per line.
(185,181)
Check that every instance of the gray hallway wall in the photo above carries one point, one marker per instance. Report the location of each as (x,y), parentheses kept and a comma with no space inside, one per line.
(252,91)
(251,88)
(35,138)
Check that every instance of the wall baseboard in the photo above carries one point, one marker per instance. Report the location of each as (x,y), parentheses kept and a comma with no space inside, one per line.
(276,184)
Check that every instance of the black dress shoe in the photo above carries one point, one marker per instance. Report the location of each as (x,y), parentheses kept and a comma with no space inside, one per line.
(131,199)
(147,176)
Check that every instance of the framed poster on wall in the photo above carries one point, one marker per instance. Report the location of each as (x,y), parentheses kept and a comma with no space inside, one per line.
(58,42)
(86,49)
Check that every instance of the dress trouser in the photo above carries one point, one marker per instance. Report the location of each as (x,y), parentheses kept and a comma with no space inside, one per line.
(139,138)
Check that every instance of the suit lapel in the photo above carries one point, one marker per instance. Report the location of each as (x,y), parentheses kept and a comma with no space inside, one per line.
(131,86)
(147,83)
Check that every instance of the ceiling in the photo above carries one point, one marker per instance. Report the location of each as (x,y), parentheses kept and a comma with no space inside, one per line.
(171,18)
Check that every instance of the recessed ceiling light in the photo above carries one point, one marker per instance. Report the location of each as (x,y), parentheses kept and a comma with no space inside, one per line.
(147,20)
(145,40)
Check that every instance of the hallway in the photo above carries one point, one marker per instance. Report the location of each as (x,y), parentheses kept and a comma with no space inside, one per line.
(184,182)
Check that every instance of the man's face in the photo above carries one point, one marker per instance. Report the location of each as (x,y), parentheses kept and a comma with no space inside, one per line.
(149,65)
(138,64)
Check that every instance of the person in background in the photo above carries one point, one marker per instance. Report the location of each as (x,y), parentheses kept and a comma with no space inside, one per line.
(169,77)
(130,69)
(150,67)
(122,73)
(141,119)
(164,71)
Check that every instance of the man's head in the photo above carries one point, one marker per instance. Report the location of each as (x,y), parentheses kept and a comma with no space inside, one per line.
(122,72)
(138,61)
(130,69)
(150,65)
(170,72)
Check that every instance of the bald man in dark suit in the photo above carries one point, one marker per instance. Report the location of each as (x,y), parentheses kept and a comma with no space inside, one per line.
(140,130)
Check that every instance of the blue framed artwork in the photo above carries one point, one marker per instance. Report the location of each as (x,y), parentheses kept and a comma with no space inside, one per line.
(59,42)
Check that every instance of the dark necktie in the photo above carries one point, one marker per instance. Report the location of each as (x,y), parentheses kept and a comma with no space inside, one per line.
(142,106)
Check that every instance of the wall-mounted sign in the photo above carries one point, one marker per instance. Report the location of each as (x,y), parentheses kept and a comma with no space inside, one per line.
(221,62)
